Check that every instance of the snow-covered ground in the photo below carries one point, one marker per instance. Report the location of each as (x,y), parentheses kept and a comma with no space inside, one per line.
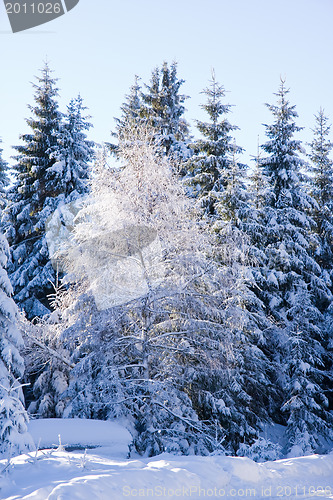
(106,473)
(74,433)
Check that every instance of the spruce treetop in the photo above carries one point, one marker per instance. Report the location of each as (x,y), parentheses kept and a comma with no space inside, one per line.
(35,155)
(214,152)
(321,187)
(74,152)
(45,113)
(217,129)
(131,108)
(284,163)
(158,105)
(322,164)
(163,108)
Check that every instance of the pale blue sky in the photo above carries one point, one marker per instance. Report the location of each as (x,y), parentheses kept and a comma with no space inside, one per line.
(98,47)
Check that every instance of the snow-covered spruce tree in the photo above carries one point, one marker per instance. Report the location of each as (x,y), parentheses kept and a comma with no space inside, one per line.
(74,153)
(32,200)
(213,154)
(258,186)
(253,222)
(306,405)
(162,107)
(51,171)
(218,182)
(47,363)
(14,437)
(290,271)
(47,368)
(249,391)
(232,206)
(252,394)
(322,190)
(153,333)
(321,167)
(132,113)
(4,181)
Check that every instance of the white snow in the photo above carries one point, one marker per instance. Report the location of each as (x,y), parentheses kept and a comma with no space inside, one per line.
(80,433)
(73,476)
(272,279)
(97,474)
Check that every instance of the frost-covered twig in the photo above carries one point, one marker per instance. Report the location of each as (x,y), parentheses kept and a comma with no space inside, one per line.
(50,350)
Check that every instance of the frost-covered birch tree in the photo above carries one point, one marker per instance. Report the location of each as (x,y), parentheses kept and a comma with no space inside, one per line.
(152,335)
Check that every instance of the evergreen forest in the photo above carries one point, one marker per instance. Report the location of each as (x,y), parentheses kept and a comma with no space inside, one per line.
(158,281)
